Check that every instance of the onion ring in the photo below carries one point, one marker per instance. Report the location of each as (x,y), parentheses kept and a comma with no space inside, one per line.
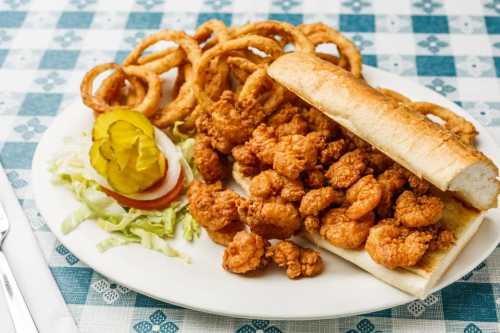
(153,95)
(282,29)
(319,33)
(458,125)
(264,44)
(394,95)
(98,104)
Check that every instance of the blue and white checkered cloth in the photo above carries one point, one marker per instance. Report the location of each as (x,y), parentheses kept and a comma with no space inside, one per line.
(452,47)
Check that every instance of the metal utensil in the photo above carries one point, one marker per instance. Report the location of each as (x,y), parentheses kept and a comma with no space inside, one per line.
(21,316)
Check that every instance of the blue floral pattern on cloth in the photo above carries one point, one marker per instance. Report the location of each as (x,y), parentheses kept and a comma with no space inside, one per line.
(286,5)
(472,328)
(433,44)
(364,326)
(82,4)
(356,5)
(29,129)
(70,257)
(441,87)
(110,292)
(135,38)
(67,39)
(257,326)
(149,4)
(4,37)
(50,81)
(16,4)
(427,6)
(15,180)
(493,5)
(361,42)
(158,322)
(217,4)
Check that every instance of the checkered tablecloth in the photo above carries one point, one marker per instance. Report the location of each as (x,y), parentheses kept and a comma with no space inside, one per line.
(452,47)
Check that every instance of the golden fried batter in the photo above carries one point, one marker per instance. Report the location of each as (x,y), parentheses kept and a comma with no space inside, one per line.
(442,240)
(248,162)
(318,121)
(347,170)
(296,125)
(283,115)
(395,246)
(315,178)
(316,200)
(213,206)
(391,181)
(312,224)
(245,253)
(270,218)
(333,151)
(418,185)
(269,183)
(420,211)
(338,229)
(297,153)
(363,197)
(207,160)
(229,123)
(378,161)
(297,261)
(225,235)
(263,143)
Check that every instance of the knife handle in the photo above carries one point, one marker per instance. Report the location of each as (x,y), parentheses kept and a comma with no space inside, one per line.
(21,316)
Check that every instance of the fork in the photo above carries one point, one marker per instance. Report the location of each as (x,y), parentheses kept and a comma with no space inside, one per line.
(21,317)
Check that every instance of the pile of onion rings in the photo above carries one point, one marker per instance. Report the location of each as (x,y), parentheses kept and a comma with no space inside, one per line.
(214,59)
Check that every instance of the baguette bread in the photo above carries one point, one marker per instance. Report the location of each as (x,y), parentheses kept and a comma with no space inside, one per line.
(419,280)
(409,138)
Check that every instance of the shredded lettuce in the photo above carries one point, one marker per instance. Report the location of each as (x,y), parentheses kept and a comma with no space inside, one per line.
(151,229)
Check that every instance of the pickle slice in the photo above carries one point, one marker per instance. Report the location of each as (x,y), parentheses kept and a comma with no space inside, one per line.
(129,180)
(105,120)
(148,153)
(97,160)
(106,150)
(123,135)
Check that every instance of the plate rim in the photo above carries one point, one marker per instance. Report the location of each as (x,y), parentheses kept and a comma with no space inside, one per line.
(37,160)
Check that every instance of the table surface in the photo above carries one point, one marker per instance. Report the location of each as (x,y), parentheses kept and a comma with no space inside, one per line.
(452,47)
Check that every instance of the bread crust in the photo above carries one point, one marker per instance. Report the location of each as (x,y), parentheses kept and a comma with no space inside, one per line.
(409,138)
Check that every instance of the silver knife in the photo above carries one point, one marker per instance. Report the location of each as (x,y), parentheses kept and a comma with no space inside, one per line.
(21,316)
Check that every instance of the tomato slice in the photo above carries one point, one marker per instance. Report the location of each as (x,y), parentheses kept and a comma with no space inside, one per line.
(160,203)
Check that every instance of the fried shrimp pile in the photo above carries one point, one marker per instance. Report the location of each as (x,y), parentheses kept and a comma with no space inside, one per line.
(297,261)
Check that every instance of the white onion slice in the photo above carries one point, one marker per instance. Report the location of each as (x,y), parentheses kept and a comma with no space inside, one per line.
(173,156)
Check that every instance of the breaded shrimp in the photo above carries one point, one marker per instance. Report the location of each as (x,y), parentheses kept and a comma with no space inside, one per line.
(338,229)
(395,246)
(363,197)
(245,253)
(420,211)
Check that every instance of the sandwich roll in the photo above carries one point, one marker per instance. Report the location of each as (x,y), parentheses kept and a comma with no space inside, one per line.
(409,138)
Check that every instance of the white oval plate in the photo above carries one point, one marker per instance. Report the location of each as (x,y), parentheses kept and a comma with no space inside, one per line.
(341,290)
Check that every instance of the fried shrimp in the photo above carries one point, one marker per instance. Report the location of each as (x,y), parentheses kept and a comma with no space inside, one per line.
(347,170)
(296,153)
(391,181)
(420,211)
(319,122)
(394,246)
(312,224)
(269,183)
(315,178)
(271,219)
(363,197)
(340,230)
(225,235)
(207,160)
(263,143)
(245,253)
(418,185)
(316,200)
(298,261)
(212,206)
(333,151)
